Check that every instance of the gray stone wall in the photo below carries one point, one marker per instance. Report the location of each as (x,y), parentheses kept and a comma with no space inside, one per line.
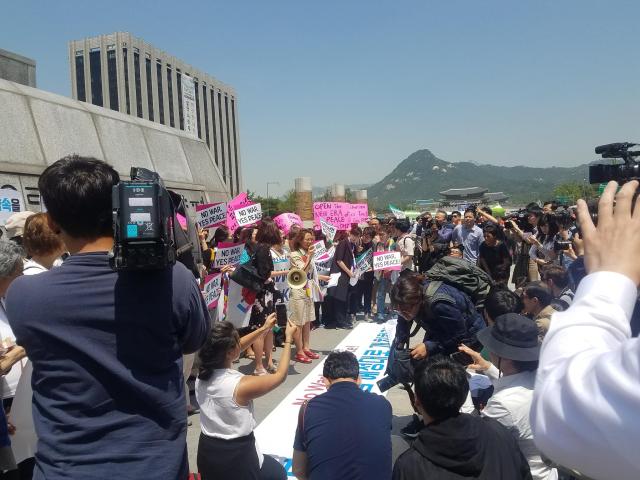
(37,128)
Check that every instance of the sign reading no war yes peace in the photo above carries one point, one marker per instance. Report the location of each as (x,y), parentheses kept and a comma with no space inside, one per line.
(386,261)
(228,254)
(212,289)
(248,215)
(211,215)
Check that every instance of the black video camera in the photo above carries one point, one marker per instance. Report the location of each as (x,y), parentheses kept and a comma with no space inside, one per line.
(143,216)
(620,172)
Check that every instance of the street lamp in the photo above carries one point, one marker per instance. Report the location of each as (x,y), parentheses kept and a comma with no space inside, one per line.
(268,198)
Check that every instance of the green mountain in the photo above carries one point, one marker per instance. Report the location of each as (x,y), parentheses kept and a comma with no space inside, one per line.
(422,176)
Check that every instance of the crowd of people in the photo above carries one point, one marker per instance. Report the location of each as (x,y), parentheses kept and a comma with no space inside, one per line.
(527,322)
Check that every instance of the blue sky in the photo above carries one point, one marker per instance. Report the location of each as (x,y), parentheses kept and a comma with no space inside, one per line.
(343,90)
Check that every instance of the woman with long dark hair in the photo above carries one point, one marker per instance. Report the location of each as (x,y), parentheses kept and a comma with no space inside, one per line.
(227,446)
(343,262)
(542,251)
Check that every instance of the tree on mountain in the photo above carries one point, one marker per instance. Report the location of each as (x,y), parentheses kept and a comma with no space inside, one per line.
(572,191)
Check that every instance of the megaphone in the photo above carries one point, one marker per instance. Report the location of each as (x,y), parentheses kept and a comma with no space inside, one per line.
(296,278)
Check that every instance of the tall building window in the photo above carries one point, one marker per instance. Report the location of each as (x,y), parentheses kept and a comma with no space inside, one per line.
(206,114)
(213,120)
(125,57)
(160,92)
(226,116)
(95,70)
(198,122)
(149,88)
(224,164)
(112,74)
(235,143)
(136,74)
(82,94)
(179,85)
(170,89)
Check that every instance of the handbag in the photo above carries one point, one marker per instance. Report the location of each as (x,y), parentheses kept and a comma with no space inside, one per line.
(246,275)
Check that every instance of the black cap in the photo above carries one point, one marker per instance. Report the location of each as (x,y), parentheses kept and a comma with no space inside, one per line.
(513,336)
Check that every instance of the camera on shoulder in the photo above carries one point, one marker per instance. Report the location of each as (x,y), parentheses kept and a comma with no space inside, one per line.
(147,234)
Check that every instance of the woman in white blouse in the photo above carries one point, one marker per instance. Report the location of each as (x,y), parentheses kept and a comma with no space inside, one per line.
(227,446)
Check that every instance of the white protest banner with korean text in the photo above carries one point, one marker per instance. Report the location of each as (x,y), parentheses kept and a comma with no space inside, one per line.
(386,261)
(228,254)
(10,202)
(248,215)
(212,290)
(211,215)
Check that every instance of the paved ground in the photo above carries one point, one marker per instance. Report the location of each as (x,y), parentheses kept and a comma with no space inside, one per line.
(324,341)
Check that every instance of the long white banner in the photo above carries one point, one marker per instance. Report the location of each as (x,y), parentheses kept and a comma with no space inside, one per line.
(370,343)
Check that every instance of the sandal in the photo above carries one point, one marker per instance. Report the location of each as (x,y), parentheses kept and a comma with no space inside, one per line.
(272,369)
(302,358)
(312,355)
(260,373)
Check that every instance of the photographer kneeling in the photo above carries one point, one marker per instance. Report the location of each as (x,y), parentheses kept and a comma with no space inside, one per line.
(448,316)
(227,446)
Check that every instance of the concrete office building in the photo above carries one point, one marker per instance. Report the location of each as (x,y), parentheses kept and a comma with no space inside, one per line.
(127,74)
(16,68)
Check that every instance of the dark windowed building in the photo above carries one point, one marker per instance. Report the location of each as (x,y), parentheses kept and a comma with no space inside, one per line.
(117,71)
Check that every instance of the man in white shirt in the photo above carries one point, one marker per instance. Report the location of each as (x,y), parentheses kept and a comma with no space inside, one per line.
(585,411)
(512,342)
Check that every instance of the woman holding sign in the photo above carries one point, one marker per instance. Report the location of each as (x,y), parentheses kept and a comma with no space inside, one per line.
(300,301)
(342,269)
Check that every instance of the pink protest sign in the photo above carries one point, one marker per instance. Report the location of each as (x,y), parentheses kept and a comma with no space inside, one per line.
(359,212)
(386,261)
(285,221)
(337,214)
(237,203)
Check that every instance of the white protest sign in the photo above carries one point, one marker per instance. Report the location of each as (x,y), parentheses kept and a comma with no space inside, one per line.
(212,289)
(211,215)
(281,263)
(10,203)
(364,262)
(328,230)
(386,261)
(248,215)
(228,254)
(239,303)
(320,249)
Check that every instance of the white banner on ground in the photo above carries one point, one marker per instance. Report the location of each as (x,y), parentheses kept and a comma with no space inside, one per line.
(370,343)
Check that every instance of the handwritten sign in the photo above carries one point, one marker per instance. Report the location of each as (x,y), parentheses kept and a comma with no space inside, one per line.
(337,214)
(328,230)
(285,221)
(248,215)
(359,212)
(320,249)
(211,215)
(212,289)
(228,254)
(386,261)
(242,200)
(399,214)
